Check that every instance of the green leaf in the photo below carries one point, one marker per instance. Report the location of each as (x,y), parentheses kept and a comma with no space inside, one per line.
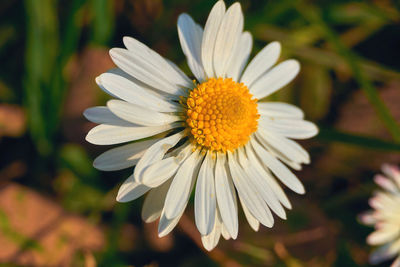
(334,136)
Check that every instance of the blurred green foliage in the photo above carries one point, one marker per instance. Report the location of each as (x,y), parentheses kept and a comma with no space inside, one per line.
(49,49)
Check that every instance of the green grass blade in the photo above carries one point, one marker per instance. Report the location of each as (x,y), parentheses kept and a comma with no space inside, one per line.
(334,136)
(40,60)
(103,21)
(69,45)
(47,53)
(312,14)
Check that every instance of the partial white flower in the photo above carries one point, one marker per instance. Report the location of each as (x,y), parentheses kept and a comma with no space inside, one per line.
(385,216)
(211,136)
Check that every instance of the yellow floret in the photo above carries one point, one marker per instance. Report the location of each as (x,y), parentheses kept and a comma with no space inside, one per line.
(221,114)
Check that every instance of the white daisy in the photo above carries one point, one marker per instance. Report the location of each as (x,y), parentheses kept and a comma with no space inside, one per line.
(211,133)
(385,216)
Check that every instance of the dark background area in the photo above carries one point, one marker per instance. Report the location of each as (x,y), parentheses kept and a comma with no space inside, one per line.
(57,210)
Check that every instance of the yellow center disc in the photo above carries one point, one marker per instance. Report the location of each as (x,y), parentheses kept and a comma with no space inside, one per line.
(221,114)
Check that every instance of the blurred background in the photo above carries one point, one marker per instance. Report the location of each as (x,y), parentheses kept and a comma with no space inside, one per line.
(57,210)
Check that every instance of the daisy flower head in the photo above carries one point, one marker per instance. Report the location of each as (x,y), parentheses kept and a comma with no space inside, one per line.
(385,216)
(210,135)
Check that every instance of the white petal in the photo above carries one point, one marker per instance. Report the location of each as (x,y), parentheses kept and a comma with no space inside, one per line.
(98,82)
(204,200)
(386,183)
(148,88)
(288,148)
(280,170)
(209,37)
(141,67)
(103,115)
(210,241)
(104,134)
(276,188)
(381,254)
(165,226)
(131,190)
(155,153)
(154,202)
(395,246)
(294,165)
(181,186)
(280,110)
(227,39)
(124,88)
(178,70)
(140,115)
(392,172)
(239,58)
(190,36)
(261,63)
(122,157)
(396,263)
(380,237)
(169,72)
(253,222)
(248,194)
(377,203)
(160,171)
(226,196)
(261,184)
(277,151)
(296,129)
(367,218)
(275,79)
(224,232)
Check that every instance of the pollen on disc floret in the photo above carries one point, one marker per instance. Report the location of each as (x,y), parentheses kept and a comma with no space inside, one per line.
(221,114)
